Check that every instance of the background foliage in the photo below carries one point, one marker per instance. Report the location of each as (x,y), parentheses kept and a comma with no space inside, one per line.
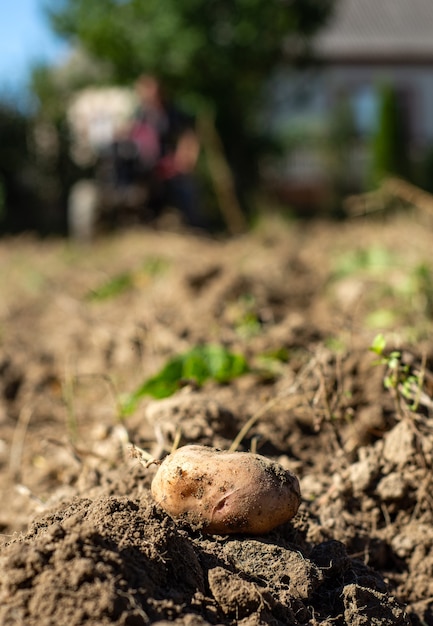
(215,55)
(390,145)
(16,172)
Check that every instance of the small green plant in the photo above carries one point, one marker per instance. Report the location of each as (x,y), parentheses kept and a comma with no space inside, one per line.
(423,278)
(373,261)
(246,319)
(201,363)
(270,363)
(399,378)
(125,281)
(112,287)
(249,325)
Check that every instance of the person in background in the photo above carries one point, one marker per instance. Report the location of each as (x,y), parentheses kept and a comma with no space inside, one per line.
(163,146)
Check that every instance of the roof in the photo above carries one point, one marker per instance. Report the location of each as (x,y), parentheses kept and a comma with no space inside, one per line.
(381,30)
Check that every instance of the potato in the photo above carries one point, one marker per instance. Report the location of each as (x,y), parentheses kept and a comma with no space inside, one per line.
(225,492)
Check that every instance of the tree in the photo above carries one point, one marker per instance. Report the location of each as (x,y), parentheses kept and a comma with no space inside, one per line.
(55,170)
(390,144)
(215,55)
(17,199)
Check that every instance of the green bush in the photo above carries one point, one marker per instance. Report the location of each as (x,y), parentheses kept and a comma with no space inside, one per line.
(390,155)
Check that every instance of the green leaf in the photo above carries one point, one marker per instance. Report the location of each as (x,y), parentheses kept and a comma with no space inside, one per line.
(118,284)
(112,287)
(379,344)
(201,363)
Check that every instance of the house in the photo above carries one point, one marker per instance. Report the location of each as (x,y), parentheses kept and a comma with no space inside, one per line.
(365,44)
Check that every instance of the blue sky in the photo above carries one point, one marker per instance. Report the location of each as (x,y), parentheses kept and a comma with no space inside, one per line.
(25,38)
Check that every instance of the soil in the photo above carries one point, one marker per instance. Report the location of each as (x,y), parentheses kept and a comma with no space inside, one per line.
(82,540)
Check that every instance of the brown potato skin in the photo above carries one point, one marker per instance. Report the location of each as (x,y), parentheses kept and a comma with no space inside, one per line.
(226,492)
